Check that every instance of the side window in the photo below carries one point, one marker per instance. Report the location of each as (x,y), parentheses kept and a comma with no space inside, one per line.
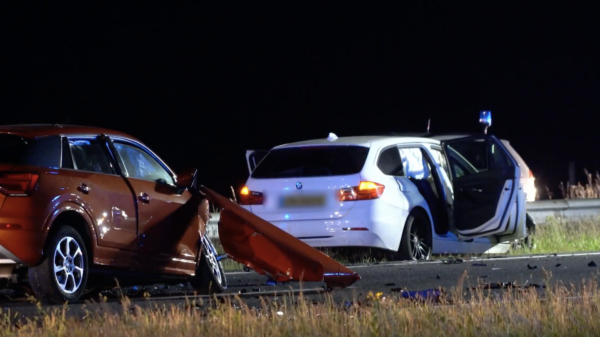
(414,164)
(389,162)
(141,165)
(67,160)
(439,157)
(479,155)
(88,155)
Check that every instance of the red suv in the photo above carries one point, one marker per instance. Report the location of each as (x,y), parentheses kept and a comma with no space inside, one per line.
(81,203)
(80,206)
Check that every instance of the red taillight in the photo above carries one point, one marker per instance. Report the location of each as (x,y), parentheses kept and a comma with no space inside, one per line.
(248,197)
(18,184)
(530,174)
(366,190)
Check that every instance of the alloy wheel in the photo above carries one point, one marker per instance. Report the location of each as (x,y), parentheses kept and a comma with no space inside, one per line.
(418,241)
(69,264)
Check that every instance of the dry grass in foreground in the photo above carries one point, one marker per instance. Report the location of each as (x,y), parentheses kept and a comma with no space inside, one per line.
(513,314)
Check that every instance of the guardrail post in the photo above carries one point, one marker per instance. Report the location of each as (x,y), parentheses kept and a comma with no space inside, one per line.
(572,173)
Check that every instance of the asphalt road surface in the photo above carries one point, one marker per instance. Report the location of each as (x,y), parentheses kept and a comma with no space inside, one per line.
(387,278)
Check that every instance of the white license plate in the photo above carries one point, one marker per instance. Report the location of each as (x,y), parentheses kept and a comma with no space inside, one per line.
(304,201)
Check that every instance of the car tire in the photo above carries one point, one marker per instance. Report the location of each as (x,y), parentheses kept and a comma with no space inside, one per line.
(527,243)
(417,238)
(66,252)
(209,277)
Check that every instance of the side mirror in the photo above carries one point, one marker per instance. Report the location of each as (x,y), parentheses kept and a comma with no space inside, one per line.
(187,178)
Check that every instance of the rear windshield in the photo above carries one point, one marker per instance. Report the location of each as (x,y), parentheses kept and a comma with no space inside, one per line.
(318,161)
(42,151)
(12,149)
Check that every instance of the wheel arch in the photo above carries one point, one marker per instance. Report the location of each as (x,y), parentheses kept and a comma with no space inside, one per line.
(77,219)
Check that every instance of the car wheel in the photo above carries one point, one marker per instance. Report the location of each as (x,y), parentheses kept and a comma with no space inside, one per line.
(209,277)
(62,275)
(416,239)
(528,241)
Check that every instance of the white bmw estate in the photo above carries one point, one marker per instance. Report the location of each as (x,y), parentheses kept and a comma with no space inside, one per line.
(416,196)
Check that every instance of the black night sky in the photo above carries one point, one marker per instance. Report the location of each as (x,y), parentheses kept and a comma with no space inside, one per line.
(201,83)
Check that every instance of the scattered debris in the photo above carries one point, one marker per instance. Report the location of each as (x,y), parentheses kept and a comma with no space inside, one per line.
(243,291)
(592,264)
(507,285)
(531,267)
(558,265)
(452,261)
(479,265)
(437,277)
(429,294)
(484,276)
(280,313)
(390,284)
(496,268)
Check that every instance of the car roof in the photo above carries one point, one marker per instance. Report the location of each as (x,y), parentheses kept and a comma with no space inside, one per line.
(41,130)
(360,141)
(402,137)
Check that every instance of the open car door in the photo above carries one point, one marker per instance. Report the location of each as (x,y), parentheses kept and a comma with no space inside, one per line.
(268,250)
(253,158)
(487,189)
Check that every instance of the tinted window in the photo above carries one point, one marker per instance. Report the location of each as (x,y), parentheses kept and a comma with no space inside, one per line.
(90,155)
(390,163)
(67,160)
(318,161)
(479,155)
(141,165)
(12,149)
(42,151)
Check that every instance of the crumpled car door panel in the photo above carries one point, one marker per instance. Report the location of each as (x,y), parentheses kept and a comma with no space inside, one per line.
(258,244)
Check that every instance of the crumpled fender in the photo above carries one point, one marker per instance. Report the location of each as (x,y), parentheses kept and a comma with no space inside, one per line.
(258,244)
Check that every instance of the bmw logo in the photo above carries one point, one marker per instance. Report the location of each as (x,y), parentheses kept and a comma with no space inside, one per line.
(299,185)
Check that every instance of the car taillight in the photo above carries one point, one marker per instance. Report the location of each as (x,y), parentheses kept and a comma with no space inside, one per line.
(248,197)
(18,184)
(530,174)
(366,190)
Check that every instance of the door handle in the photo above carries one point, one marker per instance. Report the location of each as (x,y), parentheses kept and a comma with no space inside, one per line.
(144,197)
(83,187)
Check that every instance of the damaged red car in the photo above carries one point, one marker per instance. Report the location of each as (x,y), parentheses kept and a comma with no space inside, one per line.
(81,206)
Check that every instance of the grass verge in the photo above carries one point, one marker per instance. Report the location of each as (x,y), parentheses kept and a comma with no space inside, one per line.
(561,236)
(513,313)
(555,236)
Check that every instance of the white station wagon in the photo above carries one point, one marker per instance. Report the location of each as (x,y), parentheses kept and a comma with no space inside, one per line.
(416,196)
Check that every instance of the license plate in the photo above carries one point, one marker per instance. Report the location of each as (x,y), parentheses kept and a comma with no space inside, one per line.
(304,201)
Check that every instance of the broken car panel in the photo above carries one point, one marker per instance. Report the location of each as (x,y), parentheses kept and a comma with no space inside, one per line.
(269,250)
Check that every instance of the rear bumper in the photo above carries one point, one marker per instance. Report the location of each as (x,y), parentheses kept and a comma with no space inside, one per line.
(369,224)
(20,246)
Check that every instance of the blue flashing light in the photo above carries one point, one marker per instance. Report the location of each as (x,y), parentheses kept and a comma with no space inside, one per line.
(485,118)
(287,216)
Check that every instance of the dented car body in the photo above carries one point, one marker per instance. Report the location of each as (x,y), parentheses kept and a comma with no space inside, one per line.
(82,205)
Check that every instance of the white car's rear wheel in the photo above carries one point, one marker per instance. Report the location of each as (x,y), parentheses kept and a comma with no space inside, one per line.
(416,242)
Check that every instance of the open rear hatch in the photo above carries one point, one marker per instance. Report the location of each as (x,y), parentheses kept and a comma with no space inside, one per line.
(268,250)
